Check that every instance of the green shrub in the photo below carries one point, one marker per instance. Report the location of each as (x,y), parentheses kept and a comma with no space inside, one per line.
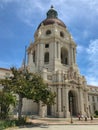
(21,121)
(96,112)
(11,123)
(6,124)
(96,116)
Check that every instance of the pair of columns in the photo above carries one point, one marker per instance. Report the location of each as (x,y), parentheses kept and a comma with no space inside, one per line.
(63,103)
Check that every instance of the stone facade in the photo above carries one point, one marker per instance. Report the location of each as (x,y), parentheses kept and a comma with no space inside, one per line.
(53,55)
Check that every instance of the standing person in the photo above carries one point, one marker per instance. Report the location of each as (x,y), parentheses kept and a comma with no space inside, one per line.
(79,116)
(82,116)
(91,117)
(85,117)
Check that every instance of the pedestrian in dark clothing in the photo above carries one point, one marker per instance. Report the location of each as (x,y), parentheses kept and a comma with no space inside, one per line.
(91,117)
(79,116)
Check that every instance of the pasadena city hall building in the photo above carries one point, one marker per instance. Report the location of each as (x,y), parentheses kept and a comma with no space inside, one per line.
(53,55)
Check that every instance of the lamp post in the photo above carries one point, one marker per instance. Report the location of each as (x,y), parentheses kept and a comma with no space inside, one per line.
(71,109)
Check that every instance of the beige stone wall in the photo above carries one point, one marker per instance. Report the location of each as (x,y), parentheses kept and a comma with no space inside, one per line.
(4,73)
(29,107)
(93,98)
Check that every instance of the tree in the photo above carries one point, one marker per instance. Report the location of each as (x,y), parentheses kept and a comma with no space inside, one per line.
(6,99)
(28,85)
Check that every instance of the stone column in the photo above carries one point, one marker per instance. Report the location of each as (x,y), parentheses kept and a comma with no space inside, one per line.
(71,61)
(59,92)
(72,55)
(86,103)
(42,110)
(75,55)
(30,58)
(55,50)
(81,104)
(31,64)
(44,74)
(37,55)
(59,51)
(41,56)
(59,101)
(66,102)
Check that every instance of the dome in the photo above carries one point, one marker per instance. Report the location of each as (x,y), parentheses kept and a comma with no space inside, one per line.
(52,18)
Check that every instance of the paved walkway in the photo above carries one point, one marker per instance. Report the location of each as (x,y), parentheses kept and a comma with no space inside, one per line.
(60,127)
(61,121)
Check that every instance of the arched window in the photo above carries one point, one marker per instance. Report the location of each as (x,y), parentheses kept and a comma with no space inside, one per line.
(48,32)
(46,57)
(61,34)
(64,56)
(46,45)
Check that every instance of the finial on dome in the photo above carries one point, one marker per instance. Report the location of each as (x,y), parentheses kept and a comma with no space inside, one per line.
(52,7)
(52,13)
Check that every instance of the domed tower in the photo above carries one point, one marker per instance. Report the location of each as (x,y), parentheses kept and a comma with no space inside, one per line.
(53,55)
(54,47)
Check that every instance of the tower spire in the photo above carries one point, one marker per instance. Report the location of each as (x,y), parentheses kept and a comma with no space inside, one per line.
(52,7)
(52,13)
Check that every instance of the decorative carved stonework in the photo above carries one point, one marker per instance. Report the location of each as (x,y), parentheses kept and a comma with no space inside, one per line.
(49,77)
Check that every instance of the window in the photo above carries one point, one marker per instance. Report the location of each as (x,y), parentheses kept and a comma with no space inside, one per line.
(61,34)
(46,45)
(46,57)
(48,32)
(64,56)
(94,107)
(88,97)
(34,56)
(93,99)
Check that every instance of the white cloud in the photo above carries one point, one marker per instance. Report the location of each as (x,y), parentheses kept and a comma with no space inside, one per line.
(80,49)
(92,51)
(69,10)
(92,80)
(90,56)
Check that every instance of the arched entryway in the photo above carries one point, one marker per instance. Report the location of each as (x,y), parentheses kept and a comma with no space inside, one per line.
(72,97)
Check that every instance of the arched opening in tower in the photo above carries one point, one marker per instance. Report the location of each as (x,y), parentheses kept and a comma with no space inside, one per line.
(46,57)
(64,56)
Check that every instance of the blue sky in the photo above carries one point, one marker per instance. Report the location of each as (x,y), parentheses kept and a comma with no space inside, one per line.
(19,20)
